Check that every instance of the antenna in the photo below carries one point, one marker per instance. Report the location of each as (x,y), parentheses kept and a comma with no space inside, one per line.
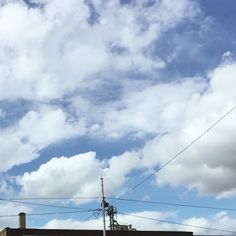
(112,213)
(103,209)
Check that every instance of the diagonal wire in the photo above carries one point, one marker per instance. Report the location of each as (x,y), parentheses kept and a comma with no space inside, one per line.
(174,204)
(177,223)
(48,198)
(59,212)
(48,213)
(42,204)
(180,152)
(83,221)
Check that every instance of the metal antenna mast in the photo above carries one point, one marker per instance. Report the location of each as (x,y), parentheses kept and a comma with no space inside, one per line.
(103,209)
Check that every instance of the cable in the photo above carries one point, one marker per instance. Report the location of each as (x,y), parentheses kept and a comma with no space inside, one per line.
(180,152)
(174,204)
(41,204)
(124,199)
(177,223)
(48,213)
(59,212)
(16,200)
(49,198)
(83,221)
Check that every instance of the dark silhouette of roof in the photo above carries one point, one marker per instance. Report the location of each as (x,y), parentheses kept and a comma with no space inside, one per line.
(66,232)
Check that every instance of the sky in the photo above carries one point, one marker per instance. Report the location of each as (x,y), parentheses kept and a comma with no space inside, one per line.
(118,88)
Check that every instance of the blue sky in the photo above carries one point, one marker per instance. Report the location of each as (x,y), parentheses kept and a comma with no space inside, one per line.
(116,89)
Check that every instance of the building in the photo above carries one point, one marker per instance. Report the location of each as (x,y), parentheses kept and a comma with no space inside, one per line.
(117,231)
(62,232)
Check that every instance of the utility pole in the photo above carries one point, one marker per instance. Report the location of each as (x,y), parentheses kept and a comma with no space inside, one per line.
(103,209)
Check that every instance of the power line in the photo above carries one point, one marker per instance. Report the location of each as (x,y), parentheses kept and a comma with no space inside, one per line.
(16,200)
(177,223)
(180,152)
(42,204)
(48,198)
(59,212)
(48,213)
(174,204)
(83,221)
(120,199)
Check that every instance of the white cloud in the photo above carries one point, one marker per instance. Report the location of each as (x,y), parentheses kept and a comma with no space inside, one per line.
(122,219)
(208,165)
(179,112)
(73,224)
(142,109)
(47,53)
(227,57)
(7,208)
(48,126)
(218,221)
(79,176)
(155,109)
(35,131)
(56,51)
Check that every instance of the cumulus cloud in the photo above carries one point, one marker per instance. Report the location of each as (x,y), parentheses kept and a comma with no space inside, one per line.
(35,131)
(213,157)
(122,219)
(180,112)
(220,220)
(177,113)
(47,52)
(156,222)
(142,108)
(79,176)
(68,51)
(64,47)
(155,109)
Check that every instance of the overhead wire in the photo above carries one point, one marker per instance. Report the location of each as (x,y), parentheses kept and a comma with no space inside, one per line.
(131,200)
(49,198)
(59,212)
(79,210)
(148,177)
(128,200)
(177,223)
(21,200)
(49,213)
(174,204)
(42,204)
(114,198)
(179,153)
(83,221)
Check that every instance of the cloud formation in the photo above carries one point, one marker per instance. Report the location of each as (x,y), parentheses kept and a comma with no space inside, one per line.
(35,131)
(198,105)
(8,208)
(52,51)
(79,176)
(217,221)
(212,157)
(92,68)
